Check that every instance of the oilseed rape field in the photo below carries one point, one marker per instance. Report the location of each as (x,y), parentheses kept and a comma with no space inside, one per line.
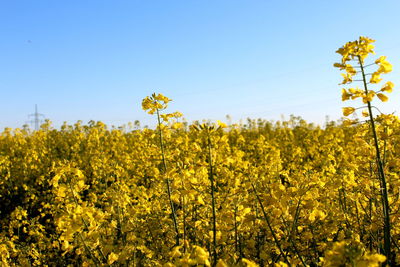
(263,193)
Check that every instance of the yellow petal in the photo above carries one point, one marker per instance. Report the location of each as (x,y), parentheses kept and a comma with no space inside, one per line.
(380,59)
(388,87)
(348,110)
(339,65)
(112,257)
(375,78)
(365,113)
(382,97)
(221,263)
(221,124)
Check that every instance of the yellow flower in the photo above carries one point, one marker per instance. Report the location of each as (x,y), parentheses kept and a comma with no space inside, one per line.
(348,110)
(340,66)
(388,87)
(345,95)
(249,263)
(361,47)
(347,78)
(317,214)
(375,78)
(146,103)
(380,60)
(221,263)
(355,92)
(372,260)
(175,253)
(201,255)
(112,257)
(155,102)
(350,70)
(221,124)
(384,65)
(382,97)
(161,98)
(348,122)
(368,97)
(177,114)
(177,125)
(65,245)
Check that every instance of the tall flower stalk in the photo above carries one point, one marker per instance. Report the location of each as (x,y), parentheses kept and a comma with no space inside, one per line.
(154,104)
(356,52)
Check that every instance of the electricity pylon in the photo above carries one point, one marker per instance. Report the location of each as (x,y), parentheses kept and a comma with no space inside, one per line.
(36,118)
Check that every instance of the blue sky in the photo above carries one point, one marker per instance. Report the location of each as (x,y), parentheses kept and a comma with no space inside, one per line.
(96,59)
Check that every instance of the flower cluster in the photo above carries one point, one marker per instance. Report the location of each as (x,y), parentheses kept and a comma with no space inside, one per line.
(353,63)
(155,102)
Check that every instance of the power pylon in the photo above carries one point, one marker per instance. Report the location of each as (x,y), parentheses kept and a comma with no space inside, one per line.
(36,118)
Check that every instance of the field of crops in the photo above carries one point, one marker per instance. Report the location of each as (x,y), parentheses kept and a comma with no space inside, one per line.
(256,194)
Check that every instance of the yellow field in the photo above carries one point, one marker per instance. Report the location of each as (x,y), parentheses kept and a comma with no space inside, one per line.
(284,193)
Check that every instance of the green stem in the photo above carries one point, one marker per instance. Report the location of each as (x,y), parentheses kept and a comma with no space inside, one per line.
(168,183)
(211,176)
(183,200)
(236,229)
(266,217)
(294,227)
(385,199)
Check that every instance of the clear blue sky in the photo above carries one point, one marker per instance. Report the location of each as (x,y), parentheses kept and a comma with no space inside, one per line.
(96,60)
